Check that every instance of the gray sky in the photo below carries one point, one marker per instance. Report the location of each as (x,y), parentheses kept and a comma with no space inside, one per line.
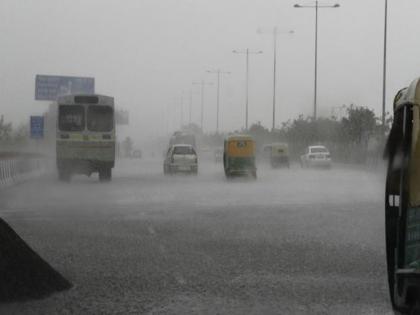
(146,52)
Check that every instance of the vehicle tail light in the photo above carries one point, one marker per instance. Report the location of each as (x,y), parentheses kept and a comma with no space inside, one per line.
(328,156)
(172,159)
(311,156)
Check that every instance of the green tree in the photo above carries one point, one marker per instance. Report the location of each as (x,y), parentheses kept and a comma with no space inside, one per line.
(261,134)
(5,129)
(359,124)
(21,133)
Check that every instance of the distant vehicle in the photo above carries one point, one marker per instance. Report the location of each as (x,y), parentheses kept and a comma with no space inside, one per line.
(85,141)
(180,158)
(136,154)
(239,156)
(279,155)
(316,156)
(180,137)
(218,155)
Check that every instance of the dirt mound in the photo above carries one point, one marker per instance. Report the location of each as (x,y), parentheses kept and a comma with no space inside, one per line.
(23,273)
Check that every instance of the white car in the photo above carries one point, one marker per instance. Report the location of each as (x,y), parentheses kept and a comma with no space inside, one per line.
(316,156)
(180,158)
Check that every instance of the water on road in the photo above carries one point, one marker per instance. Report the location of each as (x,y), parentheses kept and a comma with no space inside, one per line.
(295,241)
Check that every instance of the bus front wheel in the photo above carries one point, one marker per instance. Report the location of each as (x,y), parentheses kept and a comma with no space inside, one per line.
(64,175)
(105,175)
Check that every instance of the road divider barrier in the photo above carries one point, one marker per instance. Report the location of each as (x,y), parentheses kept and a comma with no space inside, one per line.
(18,169)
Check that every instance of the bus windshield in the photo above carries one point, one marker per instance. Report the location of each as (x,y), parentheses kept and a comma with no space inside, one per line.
(71,118)
(100,118)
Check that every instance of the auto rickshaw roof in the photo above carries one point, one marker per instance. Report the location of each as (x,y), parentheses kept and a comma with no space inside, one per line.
(239,137)
(410,94)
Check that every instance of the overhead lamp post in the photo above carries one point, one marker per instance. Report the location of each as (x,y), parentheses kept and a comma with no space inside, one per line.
(190,108)
(316,6)
(218,72)
(247,52)
(275,32)
(182,109)
(202,83)
(384,64)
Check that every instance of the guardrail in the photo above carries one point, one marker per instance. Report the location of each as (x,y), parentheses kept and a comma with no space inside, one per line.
(15,168)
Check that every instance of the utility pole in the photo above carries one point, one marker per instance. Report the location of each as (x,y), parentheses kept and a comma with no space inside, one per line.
(316,6)
(247,52)
(182,109)
(202,83)
(190,109)
(218,73)
(275,32)
(384,65)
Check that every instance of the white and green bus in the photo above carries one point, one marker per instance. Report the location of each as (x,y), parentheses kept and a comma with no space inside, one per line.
(85,141)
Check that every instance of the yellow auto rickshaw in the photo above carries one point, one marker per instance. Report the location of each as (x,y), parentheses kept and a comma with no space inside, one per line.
(279,155)
(402,202)
(239,156)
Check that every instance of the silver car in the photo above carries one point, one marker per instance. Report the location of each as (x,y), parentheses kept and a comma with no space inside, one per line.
(316,156)
(180,158)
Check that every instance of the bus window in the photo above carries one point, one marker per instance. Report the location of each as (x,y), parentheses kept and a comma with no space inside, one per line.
(100,118)
(71,118)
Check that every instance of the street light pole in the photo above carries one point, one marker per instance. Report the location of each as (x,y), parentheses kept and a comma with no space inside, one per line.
(182,110)
(190,109)
(275,32)
(247,52)
(218,73)
(247,89)
(384,65)
(316,62)
(316,6)
(274,77)
(202,83)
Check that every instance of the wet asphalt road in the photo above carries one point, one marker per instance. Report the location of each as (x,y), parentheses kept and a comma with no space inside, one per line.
(293,242)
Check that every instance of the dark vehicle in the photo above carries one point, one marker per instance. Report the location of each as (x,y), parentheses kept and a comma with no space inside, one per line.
(218,155)
(136,154)
(278,154)
(182,138)
(402,202)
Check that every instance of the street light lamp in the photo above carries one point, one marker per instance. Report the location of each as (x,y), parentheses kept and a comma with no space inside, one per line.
(275,32)
(247,52)
(316,6)
(218,72)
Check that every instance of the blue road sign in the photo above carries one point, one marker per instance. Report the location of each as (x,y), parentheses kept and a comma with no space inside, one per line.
(49,87)
(37,127)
